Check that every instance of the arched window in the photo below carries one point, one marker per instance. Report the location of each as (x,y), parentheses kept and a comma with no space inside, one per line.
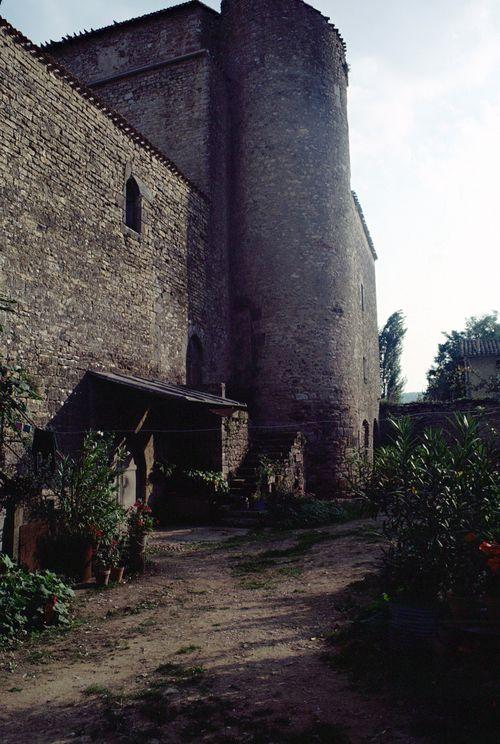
(133,207)
(194,362)
(366,435)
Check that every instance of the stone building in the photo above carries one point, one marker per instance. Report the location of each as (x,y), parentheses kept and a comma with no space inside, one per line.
(176,219)
(482,368)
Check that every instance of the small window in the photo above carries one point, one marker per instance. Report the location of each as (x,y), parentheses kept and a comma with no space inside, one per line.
(133,207)
(366,435)
(365,370)
(362,297)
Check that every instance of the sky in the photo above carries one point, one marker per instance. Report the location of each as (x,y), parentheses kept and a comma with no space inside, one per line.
(424,110)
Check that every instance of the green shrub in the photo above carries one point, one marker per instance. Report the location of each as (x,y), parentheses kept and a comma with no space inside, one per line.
(85,505)
(290,512)
(28,600)
(435,493)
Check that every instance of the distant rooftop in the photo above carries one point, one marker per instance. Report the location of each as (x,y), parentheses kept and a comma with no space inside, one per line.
(124,24)
(477,347)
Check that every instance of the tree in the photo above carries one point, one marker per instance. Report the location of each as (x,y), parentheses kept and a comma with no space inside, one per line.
(391,339)
(446,378)
(16,390)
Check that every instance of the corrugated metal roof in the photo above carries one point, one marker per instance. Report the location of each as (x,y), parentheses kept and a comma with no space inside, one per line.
(480,347)
(167,390)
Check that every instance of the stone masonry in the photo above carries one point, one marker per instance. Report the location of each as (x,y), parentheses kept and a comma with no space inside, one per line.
(253,244)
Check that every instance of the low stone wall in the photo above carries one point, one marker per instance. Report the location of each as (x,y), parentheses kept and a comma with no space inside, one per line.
(440,415)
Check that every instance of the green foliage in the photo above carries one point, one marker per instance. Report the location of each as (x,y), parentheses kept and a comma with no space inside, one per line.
(85,505)
(140,520)
(446,378)
(434,493)
(16,390)
(205,482)
(26,598)
(289,512)
(212,481)
(391,339)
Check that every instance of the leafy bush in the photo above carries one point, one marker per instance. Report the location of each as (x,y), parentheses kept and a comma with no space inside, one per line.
(28,601)
(435,493)
(211,482)
(289,512)
(85,506)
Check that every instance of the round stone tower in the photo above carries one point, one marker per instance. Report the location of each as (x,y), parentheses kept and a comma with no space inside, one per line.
(293,247)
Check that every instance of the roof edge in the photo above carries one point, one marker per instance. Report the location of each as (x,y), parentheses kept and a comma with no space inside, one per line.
(73,38)
(89,95)
(167,389)
(364,224)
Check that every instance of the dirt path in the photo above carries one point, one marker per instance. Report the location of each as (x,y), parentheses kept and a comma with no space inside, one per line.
(221,641)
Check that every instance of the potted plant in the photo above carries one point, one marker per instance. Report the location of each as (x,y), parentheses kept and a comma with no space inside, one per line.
(118,551)
(102,564)
(81,508)
(140,525)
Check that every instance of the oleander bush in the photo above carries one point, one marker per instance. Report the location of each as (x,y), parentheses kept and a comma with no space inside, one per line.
(440,497)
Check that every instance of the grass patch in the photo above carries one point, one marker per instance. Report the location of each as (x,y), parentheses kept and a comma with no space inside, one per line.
(255,584)
(38,656)
(292,572)
(97,690)
(253,566)
(148,604)
(305,542)
(188,650)
(177,672)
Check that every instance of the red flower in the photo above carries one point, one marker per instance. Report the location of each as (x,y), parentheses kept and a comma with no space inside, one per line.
(490,549)
(54,600)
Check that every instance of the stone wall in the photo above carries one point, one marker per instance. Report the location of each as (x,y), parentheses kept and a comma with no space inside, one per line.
(440,416)
(92,293)
(299,252)
(235,441)
(273,272)
(162,74)
(482,376)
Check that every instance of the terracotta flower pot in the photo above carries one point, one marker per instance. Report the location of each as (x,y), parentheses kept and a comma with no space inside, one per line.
(80,559)
(102,576)
(138,553)
(117,575)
